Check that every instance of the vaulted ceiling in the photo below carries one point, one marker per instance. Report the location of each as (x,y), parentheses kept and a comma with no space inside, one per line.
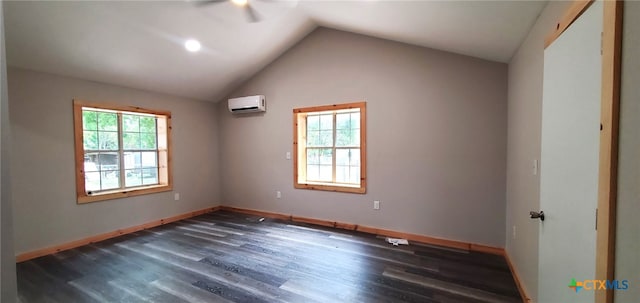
(140,44)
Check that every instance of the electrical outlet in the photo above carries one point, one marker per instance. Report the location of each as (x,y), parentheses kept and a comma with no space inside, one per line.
(278,194)
(514,232)
(376,204)
(176,196)
(288,155)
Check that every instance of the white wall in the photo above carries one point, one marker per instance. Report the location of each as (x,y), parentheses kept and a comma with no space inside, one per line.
(524,126)
(436,145)
(628,225)
(7,260)
(44,201)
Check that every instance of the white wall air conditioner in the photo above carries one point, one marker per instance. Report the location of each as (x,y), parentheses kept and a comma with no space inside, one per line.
(249,104)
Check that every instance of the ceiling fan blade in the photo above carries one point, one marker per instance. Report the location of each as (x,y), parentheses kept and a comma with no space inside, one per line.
(252,15)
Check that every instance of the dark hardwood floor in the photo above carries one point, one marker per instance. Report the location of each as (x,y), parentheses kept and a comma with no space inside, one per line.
(231,257)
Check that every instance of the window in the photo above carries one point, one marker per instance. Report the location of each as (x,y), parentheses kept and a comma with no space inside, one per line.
(329,142)
(120,151)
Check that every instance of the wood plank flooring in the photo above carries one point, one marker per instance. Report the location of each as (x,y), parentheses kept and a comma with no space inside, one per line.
(231,257)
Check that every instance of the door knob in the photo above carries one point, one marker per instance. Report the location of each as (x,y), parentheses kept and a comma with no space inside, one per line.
(537,215)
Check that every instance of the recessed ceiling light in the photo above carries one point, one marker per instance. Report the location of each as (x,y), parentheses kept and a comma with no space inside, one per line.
(192,45)
(240,2)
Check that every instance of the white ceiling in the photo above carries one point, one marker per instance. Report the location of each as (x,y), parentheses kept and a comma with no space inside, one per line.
(140,44)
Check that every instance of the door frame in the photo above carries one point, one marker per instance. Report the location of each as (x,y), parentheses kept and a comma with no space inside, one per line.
(609,124)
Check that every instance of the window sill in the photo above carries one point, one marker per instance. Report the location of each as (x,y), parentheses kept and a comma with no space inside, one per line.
(109,195)
(345,188)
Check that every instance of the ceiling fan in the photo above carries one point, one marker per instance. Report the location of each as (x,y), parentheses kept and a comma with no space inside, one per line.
(250,12)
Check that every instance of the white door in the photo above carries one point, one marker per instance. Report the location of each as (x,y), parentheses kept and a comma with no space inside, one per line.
(569,159)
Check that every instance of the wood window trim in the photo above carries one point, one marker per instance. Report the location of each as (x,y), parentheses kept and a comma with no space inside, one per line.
(165,175)
(299,159)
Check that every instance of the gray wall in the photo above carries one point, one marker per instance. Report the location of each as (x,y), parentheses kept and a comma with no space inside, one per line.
(628,225)
(525,100)
(436,137)
(8,264)
(524,125)
(44,201)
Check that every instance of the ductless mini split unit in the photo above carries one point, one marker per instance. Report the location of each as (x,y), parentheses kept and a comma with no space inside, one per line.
(249,104)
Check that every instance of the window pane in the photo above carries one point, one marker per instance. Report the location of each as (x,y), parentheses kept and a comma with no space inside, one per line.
(133,177)
(326,156)
(354,175)
(313,138)
(320,139)
(91,181)
(313,123)
(101,171)
(108,121)
(148,140)
(343,137)
(148,124)
(141,168)
(89,120)
(326,122)
(91,162)
(132,160)
(131,140)
(355,120)
(110,179)
(354,156)
(326,173)
(313,172)
(342,157)
(313,156)
(355,137)
(107,140)
(343,121)
(150,176)
(90,140)
(109,161)
(342,173)
(347,132)
(149,159)
(131,123)
(326,138)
